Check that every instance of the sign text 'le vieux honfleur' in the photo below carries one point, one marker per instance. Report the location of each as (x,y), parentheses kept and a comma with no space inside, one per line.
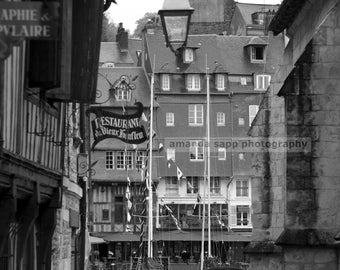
(126,128)
(33,20)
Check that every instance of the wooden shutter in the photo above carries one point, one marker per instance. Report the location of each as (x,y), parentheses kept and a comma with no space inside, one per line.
(232,216)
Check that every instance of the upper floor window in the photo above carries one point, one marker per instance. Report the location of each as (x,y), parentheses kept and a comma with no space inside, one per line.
(257,54)
(170,119)
(242,188)
(123,95)
(109,161)
(195,114)
(188,55)
(262,82)
(243,80)
(140,159)
(124,160)
(222,154)
(105,214)
(215,185)
(192,184)
(220,82)
(170,154)
(253,109)
(196,150)
(171,185)
(243,215)
(165,82)
(220,119)
(193,82)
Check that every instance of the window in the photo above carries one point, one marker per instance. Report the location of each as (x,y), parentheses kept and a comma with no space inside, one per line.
(220,82)
(196,150)
(242,188)
(242,215)
(165,80)
(170,154)
(188,55)
(169,119)
(124,160)
(262,82)
(222,154)
(196,115)
(241,121)
(123,95)
(140,160)
(253,109)
(171,185)
(119,212)
(192,184)
(109,160)
(243,80)
(215,185)
(105,215)
(220,119)
(257,53)
(193,82)
(108,65)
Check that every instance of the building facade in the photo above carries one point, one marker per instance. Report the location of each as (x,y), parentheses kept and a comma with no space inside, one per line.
(40,77)
(296,209)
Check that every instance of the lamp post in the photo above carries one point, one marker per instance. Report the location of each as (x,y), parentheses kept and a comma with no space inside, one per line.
(175,16)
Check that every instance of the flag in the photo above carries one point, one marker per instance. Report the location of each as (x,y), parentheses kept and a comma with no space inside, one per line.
(128,180)
(169,162)
(128,217)
(127,193)
(191,187)
(199,198)
(179,174)
(160,147)
(144,118)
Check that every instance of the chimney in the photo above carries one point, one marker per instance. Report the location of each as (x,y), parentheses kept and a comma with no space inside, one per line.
(122,38)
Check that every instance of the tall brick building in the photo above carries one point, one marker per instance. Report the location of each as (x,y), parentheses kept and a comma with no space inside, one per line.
(296,193)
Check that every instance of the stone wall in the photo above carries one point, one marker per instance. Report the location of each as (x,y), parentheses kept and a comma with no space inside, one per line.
(296,196)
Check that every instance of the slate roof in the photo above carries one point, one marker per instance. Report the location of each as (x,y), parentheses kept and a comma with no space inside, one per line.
(110,53)
(247,9)
(227,52)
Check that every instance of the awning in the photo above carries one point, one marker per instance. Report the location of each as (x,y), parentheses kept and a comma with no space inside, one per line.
(176,235)
(96,240)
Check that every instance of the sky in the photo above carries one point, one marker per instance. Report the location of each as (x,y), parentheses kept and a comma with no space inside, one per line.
(129,11)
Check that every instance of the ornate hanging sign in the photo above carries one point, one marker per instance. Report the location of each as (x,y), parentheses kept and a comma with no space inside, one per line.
(126,127)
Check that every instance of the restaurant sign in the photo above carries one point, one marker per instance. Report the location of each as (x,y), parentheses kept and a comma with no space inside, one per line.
(33,20)
(126,127)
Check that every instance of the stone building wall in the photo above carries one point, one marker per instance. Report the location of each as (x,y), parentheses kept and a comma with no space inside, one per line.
(296,204)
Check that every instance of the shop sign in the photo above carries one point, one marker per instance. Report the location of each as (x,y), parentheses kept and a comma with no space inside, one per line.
(126,127)
(32,20)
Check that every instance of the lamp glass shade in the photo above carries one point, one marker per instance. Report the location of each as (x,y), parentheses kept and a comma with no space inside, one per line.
(176,28)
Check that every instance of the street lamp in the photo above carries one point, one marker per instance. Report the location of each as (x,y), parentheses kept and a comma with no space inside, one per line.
(175,16)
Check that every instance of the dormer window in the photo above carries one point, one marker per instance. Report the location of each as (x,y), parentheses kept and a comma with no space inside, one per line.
(188,55)
(193,82)
(257,54)
(108,65)
(220,82)
(165,82)
(123,95)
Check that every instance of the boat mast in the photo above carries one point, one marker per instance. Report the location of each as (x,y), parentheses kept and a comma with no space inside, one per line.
(150,223)
(208,154)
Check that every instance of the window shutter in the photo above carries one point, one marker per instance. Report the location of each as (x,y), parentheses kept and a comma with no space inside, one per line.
(232,217)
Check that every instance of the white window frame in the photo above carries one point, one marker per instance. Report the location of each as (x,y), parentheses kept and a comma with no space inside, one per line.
(253,109)
(193,184)
(253,58)
(215,189)
(241,121)
(242,188)
(260,82)
(222,153)
(188,55)
(140,159)
(196,151)
(193,82)
(243,80)
(123,95)
(169,119)
(109,160)
(171,154)
(127,160)
(171,185)
(196,114)
(165,82)
(220,119)
(244,216)
(220,82)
